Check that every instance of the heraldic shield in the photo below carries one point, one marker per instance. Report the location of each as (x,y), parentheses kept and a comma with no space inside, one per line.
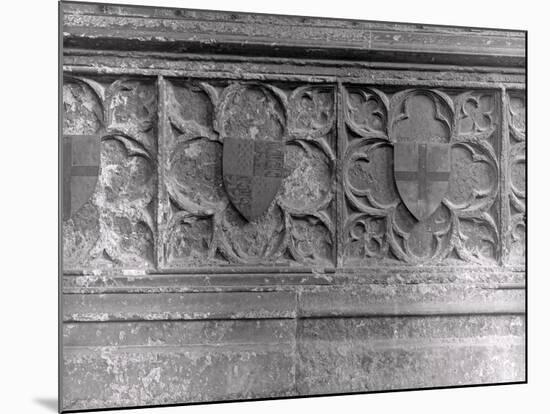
(81,155)
(422,173)
(252,174)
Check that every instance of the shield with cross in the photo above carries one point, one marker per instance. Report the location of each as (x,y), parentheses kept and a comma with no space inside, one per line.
(81,155)
(421,172)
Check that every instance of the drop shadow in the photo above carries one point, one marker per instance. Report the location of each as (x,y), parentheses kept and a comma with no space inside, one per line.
(49,403)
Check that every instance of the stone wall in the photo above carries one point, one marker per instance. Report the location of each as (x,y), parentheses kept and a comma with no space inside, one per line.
(170,295)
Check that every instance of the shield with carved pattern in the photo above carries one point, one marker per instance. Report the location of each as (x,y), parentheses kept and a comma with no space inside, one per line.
(252,174)
(81,155)
(421,172)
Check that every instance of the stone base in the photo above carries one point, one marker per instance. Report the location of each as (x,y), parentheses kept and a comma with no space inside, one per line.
(137,349)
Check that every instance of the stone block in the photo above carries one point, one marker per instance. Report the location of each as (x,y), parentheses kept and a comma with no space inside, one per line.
(390,353)
(123,364)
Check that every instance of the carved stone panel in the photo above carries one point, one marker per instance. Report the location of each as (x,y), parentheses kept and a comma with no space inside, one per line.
(210,216)
(420,176)
(114,227)
(515,111)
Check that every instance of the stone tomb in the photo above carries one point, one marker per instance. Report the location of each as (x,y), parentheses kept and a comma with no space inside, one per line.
(263,206)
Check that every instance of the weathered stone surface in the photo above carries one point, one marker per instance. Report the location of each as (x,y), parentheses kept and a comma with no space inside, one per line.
(369,354)
(173,292)
(115,227)
(286,279)
(167,306)
(127,364)
(516,106)
(417,299)
(192,30)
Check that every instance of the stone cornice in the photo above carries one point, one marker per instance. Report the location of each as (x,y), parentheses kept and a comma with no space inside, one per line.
(141,28)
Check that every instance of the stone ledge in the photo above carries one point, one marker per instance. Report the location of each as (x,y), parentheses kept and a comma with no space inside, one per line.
(409,300)
(173,306)
(256,281)
(96,26)
(141,363)
(315,302)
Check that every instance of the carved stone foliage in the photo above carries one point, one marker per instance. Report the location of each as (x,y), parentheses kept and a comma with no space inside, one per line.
(115,227)
(515,109)
(199,224)
(378,226)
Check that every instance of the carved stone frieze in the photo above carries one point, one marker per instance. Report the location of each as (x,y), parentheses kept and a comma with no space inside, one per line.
(419,174)
(207,222)
(459,177)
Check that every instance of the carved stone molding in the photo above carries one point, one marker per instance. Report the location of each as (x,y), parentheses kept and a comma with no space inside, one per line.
(189,219)
(105,27)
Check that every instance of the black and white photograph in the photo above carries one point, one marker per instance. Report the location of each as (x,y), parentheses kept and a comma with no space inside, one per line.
(263,208)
